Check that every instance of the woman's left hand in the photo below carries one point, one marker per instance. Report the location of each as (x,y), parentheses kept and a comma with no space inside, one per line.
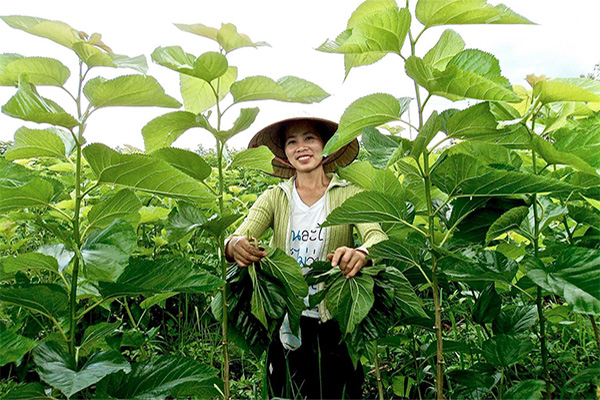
(349,260)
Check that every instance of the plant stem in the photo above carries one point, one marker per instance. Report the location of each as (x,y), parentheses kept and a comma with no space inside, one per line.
(435,286)
(378,374)
(539,299)
(223,261)
(76,261)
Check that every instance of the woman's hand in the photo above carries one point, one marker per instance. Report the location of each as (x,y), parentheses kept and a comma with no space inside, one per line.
(242,252)
(349,260)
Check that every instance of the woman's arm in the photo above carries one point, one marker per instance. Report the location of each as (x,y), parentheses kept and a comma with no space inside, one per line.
(259,218)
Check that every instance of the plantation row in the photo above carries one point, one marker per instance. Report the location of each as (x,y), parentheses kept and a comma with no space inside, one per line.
(114,282)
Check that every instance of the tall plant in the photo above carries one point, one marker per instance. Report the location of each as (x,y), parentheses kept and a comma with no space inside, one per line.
(206,81)
(52,177)
(516,161)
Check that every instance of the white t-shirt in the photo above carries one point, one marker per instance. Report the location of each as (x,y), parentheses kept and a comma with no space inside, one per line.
(306,238)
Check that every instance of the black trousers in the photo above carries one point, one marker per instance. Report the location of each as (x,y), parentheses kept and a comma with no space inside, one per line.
(320,369)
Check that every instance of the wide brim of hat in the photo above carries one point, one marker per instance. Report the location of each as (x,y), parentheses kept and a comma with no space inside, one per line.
(270,137)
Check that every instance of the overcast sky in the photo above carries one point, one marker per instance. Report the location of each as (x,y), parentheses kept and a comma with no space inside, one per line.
(564,43)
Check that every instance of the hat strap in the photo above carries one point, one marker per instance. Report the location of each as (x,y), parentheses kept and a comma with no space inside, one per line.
(284,162)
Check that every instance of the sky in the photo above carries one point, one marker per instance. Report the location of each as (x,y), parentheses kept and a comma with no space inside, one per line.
(562,44)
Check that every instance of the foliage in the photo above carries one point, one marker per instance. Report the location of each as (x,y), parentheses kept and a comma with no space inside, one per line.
(113,278)
(484,207)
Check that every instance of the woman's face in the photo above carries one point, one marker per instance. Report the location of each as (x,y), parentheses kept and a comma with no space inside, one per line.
(303,147)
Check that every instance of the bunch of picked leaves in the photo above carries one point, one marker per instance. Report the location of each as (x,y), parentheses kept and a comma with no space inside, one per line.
(259,297)
(367,305)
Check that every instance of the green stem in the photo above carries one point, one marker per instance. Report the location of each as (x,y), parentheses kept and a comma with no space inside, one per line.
(378,374)
(539,299)
(129,314)
(223,261)
(76,223)
(77,260)
(435,286)
(426,171)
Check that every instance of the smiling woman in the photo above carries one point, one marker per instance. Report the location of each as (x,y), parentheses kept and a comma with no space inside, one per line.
(295,209)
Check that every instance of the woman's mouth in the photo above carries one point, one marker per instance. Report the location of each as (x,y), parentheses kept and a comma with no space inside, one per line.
(303,157)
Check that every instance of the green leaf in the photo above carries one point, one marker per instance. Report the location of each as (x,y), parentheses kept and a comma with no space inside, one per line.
(198,96)
(175,58)
(529,389)
(143,173)
(515,320)
(162,131)
(96,333)
(39,71)
(461,80)
(505,350)
(186,161)
(368,206)
(26,261)
(426,135)
(257,302)
(487,266)
(187,217)
(582,140)
(29,391)
(475,122)
(369,111)
(350,300)
(487,306)
(552,156)
(286,270)
(383,31)
(490,154)
(59,369)
(28,105)
(106,252)
(148,277)
(509,221)
(407,299)
(227,36)
(31,143)
(13,346)
(243,122)
(124,205)
(398,249)
(257,88)
(556,90)
(575,275)
(210,66)
(92,56)
(35,193)
(449,45)
(384,150)
(56,31)
(160,377)
(289,89)
(47,299)
(299,90)
(460,175)
(59,252)
(359,172)
(453,12)
(255,158)
(127,90)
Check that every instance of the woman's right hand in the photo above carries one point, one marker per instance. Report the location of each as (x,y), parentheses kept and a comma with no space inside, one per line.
(242,252)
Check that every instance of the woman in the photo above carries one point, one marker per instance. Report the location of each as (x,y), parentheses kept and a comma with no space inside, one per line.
(316,365)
